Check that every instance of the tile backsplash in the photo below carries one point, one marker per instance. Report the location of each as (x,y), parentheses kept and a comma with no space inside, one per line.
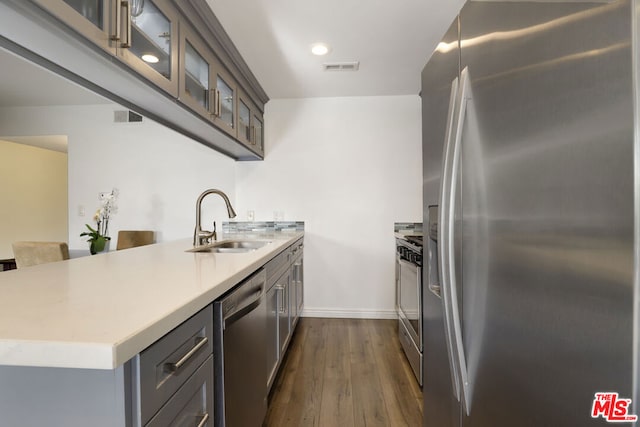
(406,227)
(261,226)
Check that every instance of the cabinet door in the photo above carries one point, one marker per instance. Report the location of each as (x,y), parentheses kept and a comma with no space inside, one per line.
(195,73)
(164,366)
(93,19)
(224,112)
(273,347)
(192,405)
(149,41)
(244,119)
(284,321)
(258,131)
(300,283)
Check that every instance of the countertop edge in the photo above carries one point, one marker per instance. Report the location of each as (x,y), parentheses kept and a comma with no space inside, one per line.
(105,356)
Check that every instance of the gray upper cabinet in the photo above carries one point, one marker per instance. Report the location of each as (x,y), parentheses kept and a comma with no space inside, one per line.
(244,119)
(196,71)
(178,47)
(257,123)
(250,128)
(148,41)
(225,95)
(94,19)
(205,85)
(143,34)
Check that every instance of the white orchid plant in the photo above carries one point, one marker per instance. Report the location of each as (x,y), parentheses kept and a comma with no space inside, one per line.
(99,236)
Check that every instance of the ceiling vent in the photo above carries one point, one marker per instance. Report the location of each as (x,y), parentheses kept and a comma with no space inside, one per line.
(126,117)
(341,66)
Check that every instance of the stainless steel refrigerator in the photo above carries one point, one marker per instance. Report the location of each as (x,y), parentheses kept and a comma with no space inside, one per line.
(530,178)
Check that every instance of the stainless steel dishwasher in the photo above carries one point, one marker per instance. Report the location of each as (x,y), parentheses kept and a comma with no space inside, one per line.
(240,322)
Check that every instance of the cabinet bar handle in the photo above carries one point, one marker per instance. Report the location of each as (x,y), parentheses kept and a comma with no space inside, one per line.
(280,289)
(173,367)
(212,101)
(116,36)
(127,42)
(219,104)
(204,420)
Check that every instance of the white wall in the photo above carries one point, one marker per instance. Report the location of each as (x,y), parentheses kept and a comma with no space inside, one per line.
(349,168)
(33,195)
(158,172)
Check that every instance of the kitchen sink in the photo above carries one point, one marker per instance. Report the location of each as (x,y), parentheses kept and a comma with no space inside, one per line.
(231,246)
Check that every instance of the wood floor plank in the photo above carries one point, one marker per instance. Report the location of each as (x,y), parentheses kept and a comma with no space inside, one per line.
(402,394)
(284,382)
(368,401)
(337,400)
(345,373)
(305,396)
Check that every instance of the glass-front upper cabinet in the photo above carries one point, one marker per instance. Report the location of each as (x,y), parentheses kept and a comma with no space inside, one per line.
(142,33)
(225,99)
(205,85)
(244,120)
(94,19)
(149,41)
(258,131)
(195,74)
(250,129)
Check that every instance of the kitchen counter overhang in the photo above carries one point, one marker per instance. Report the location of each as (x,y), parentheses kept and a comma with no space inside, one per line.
(98,312)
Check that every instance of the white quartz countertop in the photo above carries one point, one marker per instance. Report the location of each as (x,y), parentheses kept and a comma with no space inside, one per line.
(99,311)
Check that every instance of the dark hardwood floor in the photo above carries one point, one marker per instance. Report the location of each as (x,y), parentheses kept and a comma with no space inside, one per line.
(345,372)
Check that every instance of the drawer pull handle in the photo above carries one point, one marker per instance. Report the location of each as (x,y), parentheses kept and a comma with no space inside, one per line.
(173,367)
(204,420)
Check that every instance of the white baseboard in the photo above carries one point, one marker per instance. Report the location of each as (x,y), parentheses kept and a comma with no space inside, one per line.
(349,314)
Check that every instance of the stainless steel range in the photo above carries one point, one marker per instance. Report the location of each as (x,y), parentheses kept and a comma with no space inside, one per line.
(409,299)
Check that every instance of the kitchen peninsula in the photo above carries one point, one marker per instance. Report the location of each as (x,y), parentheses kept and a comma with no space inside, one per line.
(69,330)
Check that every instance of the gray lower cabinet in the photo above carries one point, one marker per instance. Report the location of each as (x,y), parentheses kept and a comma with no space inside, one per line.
(284,303)
(273,348)
(168,384)
(192,405)
(297,282)
(283,286)
(162,369)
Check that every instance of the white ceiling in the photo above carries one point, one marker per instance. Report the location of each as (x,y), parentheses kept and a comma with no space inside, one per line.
(392,39)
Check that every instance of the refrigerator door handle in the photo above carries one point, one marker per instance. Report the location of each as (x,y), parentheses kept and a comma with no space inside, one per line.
(442,242)
(464,98)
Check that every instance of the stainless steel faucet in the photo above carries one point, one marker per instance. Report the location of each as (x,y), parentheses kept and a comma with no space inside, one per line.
(200,236)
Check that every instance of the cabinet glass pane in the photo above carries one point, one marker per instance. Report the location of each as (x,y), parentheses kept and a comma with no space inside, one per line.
(259,133)
(151,37)
(90,9)
(196,76)
(244,116)
(226,102)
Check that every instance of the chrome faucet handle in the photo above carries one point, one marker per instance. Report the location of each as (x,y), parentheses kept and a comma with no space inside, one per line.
(214,235)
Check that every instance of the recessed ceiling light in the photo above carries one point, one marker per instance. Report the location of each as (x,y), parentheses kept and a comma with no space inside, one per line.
(319,49)
(151,59)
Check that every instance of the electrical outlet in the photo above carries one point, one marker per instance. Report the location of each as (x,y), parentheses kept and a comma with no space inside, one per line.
(81,211)
(250,215)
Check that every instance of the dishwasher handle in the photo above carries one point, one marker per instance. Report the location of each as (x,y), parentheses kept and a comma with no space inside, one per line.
(243,300)
(237,315)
